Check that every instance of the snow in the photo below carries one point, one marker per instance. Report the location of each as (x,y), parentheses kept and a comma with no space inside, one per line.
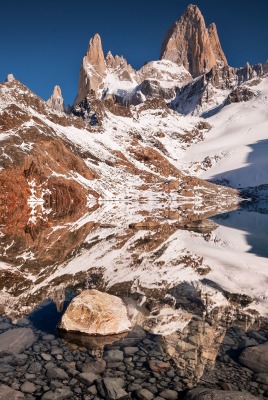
(114,85)
(239,141)
(167,73)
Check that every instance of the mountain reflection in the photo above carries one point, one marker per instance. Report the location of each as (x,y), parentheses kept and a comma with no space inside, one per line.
(149,250)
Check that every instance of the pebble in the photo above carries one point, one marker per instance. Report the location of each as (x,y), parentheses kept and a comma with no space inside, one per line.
(56,373)
(28,387)
(144,394)
(50,370)
(46,357)
(169,394)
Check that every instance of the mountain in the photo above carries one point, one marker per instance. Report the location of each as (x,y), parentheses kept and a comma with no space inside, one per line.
(189,50)
(111,77)
(189,43)
(103,75)
(134,150)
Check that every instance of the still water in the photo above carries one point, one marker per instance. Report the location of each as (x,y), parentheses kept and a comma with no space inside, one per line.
(196,292)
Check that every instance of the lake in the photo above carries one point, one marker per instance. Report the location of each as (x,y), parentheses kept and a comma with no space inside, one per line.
(196,293)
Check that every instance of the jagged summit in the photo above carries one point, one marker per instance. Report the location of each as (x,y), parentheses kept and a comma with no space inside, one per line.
(10,78)
(92,69)
(98,74)
(189,43)
(95,55)
(56,101)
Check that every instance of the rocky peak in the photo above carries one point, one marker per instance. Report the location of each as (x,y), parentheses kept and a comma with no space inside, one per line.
(56,100)
(10,78)
(115,61)
(94,55)
(109,59)
(92,70)
(216,45)
(189,43)
(98,74)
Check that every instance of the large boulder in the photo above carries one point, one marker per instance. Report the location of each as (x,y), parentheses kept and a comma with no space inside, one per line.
(201,393)
(15,341)
(96,313)
(255,358)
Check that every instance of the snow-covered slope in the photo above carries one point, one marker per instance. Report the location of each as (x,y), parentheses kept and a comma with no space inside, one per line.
(234,151)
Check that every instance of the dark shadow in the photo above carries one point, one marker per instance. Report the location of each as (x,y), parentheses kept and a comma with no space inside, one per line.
(46,317)
(257,166)
(214,111)
(254,225)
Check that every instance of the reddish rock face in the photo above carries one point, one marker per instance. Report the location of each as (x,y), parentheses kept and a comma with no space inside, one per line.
(95,67)
(189,43)
(90,80)
(56,100)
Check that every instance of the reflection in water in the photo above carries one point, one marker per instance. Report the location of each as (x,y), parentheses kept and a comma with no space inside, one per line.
(50,246)
(185,281)
(138,249)
(253,224)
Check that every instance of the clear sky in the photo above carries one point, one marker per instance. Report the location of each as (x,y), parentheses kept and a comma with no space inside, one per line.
(42,42)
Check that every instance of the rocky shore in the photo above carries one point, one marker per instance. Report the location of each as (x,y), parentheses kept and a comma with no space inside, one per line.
(38,365)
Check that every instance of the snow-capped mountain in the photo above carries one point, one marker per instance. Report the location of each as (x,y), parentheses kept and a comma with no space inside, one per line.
(148,138)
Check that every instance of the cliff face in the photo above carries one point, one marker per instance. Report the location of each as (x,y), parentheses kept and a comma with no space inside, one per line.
(189,43)
(56,100)
(98,73)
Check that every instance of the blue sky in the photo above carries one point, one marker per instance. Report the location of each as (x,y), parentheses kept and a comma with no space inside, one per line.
(42,42)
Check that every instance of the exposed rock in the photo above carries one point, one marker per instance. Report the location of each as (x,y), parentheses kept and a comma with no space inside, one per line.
(144,394)
(114,355)
(10,78)
(261,378)
(56,100)
(89,109)
(96,367)
(201,393)
(202,94)
(136,335)
(190,43)
(169,394)
(201,226)
(5,325)
(46,357)
(95,68)
(88,378)
(248,342)
(240,94)
(28,387)
(8,393)
(56,373)
(63,393)
(159,366)
(130,350)
(111,389)
(255,358)
(4,367)
(16,340)
(91,80)
(265,67)
(96,313)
